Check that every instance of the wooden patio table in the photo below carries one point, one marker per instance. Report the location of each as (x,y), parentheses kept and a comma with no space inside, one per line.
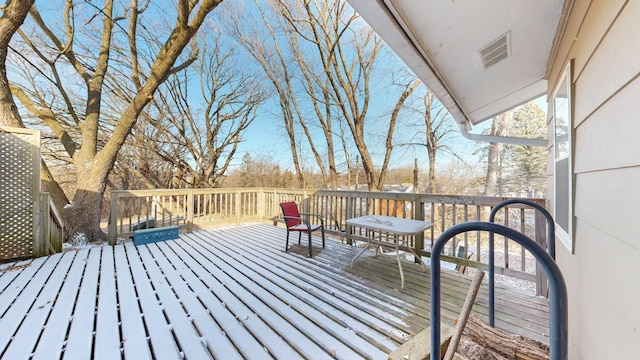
(393,233)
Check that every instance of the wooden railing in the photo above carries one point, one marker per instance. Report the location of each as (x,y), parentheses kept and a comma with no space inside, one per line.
(187,209)
(195,208)
(49,228)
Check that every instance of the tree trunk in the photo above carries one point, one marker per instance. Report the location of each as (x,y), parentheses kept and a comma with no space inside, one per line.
(432,170)
(82,218)
(491,182)
(505,344)
(498,128)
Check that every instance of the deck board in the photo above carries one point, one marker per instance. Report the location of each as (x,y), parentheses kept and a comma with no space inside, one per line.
(230,293)
(513,308)
(330,334)
(188,339)
(161,340)
(511,311)
(134,335)
(244,305)
(332,293)
(52,339)
(23,304)
(81,329)
(215,337)
(353,316)
(244,329)
(24,340)
(107,340)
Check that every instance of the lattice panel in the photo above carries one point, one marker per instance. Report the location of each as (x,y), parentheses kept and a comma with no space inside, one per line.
(19,166)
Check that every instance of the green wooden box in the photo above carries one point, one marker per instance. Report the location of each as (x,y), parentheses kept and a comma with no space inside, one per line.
(152,235)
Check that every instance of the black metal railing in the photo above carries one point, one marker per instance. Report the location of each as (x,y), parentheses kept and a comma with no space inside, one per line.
(558,304)
(551,246)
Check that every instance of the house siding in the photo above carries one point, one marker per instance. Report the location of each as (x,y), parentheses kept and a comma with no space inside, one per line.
(603,275)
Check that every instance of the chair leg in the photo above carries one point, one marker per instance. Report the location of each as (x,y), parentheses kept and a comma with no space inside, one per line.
(322,228)
(299,236)
(310,245)
(286,246)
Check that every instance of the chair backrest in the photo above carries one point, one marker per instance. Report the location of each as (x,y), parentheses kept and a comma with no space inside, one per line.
(290,208)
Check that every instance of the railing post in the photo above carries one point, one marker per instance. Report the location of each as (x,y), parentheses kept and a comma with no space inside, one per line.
(113,218)
(46,224)
(238,207)
(540,238)
(348,215)
(306,201)
(38,227)
(418,214)
(261,211)
(190,204)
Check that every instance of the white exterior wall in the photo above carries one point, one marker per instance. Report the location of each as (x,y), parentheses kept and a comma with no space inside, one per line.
(603,275)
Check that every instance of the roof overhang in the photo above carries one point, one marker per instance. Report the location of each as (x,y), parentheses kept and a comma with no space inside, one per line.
(441,42)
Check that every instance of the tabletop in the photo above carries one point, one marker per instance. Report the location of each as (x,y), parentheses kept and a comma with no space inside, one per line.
(391,224)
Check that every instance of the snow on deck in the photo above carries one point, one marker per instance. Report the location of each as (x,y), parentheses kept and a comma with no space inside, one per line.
(228,293)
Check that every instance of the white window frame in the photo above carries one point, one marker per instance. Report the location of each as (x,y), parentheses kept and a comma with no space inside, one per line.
(563,155)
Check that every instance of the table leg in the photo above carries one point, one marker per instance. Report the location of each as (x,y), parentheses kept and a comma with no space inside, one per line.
(361,252)
(400,266)
(424,267)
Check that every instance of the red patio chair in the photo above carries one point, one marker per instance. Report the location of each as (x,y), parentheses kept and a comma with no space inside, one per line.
(295,222)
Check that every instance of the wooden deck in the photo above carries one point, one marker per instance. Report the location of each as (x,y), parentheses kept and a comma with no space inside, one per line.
(228,294)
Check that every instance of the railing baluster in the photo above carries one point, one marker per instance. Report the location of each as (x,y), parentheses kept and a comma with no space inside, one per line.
(523,229)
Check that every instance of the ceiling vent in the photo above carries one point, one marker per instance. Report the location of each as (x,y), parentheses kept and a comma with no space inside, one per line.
(496,51)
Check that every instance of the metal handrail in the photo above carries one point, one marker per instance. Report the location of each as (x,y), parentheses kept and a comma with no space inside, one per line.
(551,246)
(558,304)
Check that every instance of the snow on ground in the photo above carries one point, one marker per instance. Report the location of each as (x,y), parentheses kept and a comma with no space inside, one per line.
(79,245)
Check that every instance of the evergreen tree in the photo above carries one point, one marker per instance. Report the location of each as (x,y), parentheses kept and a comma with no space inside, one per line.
(526,165)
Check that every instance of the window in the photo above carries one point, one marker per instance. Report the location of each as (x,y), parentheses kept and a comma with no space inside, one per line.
(563,194)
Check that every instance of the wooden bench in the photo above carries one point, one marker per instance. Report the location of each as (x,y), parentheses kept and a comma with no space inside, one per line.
(146,236)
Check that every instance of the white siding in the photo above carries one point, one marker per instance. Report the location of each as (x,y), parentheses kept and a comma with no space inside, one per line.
(615,62)
(609,139)
(603,275)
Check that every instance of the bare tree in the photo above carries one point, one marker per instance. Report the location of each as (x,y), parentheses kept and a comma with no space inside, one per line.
(320,59)
(348,68)
(498,128)
(71,55)
(348,52)
(201,142)
(275,62)
(317,29)
(436,123)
